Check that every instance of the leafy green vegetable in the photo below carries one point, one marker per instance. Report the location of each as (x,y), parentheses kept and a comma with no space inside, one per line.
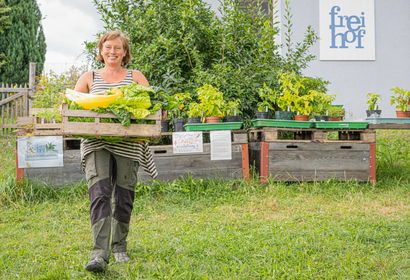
(133,90)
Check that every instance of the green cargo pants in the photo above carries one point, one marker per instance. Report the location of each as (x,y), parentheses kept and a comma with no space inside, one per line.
(111,187)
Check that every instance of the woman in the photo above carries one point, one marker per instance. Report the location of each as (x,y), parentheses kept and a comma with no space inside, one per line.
(111,168)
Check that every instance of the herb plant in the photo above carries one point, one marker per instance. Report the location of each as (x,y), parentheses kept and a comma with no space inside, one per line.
(372,99)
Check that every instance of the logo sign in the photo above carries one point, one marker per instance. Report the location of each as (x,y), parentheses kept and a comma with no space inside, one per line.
(347,30)
(40,151)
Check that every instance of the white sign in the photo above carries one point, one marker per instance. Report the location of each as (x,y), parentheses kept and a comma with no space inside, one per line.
(40,151)
(347,30)
(187,142)
(221,145)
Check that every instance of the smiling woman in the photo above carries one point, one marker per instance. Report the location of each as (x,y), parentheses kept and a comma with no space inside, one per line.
(111,168)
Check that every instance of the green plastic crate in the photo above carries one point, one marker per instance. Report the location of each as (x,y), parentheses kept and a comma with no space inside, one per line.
(282,123)
(341,125)
(213,126)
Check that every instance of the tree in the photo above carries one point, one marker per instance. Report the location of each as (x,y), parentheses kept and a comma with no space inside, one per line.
(4,24)
(23,42)
(181,45)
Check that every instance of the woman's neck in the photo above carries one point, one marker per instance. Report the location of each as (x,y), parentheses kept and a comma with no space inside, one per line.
(113,69)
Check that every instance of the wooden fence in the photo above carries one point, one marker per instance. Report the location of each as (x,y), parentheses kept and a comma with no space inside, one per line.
(15,102)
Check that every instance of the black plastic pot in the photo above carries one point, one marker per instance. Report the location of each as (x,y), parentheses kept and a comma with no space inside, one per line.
(262,115)
(232,119)
(373,113)
(165,126)
(322,118)
(179,125)
(283,115)
(194,120)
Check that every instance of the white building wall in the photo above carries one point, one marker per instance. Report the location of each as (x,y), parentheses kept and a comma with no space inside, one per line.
(352,80)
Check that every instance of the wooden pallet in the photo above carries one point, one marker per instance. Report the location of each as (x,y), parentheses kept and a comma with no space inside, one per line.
(314,161)
(97,128)
(270,134)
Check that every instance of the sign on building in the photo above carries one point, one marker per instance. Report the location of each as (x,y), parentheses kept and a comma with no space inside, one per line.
(347,30)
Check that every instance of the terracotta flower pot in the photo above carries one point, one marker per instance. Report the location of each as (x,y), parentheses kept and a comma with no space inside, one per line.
(213,119)
(301,118)
(164,115)
(335,119)
(401,114)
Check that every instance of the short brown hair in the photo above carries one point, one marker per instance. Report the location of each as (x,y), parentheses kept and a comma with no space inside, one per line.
(111,36)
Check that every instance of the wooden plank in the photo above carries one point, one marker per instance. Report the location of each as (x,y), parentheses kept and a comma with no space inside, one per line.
(35,111)
(389,126)
(310,146)
(240,138)
(318,175)
(8,126)
(245,162)
(8,89)
(11,98)
(296,161)
(111,129)
(70,174)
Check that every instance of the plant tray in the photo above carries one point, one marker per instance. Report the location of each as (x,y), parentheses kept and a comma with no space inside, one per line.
(388,120)
(282,123)
(213,126)
(341,125)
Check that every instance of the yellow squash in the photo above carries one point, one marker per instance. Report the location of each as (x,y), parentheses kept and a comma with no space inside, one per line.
(96,101)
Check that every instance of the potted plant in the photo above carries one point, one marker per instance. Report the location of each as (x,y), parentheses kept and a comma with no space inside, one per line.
(195,112)
(50,116)
(291,84)
(321,104)
(212,102)
(268,97)
(178,121)
(373,109)
(401,97)
(303,106)
(231,111)
(336,113)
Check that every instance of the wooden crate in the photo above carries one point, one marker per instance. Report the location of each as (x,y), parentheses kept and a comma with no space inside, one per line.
(97,128)
(172,166)
(313,161)
(33,126)
(270,134)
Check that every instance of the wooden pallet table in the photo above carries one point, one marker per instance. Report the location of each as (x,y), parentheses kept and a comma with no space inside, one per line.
(310,156)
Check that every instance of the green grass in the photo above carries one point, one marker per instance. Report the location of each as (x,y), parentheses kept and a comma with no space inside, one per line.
(222,230)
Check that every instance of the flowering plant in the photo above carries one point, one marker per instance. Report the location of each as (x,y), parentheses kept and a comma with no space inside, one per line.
(401,97)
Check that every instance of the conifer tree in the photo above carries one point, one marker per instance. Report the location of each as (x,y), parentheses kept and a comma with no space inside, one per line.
(22,42)
(4,24)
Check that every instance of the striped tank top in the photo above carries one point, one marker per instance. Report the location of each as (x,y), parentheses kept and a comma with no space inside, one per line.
(135,151)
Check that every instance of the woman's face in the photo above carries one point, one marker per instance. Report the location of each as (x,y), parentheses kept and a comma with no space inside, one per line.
(113,51)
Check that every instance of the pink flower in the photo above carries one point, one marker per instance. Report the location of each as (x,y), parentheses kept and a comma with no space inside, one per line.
(43,86)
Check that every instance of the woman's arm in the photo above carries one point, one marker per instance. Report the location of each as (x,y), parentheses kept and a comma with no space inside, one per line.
(84,83)
(139,78)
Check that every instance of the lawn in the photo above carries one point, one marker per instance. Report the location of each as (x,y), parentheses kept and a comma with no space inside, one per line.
(221,230)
